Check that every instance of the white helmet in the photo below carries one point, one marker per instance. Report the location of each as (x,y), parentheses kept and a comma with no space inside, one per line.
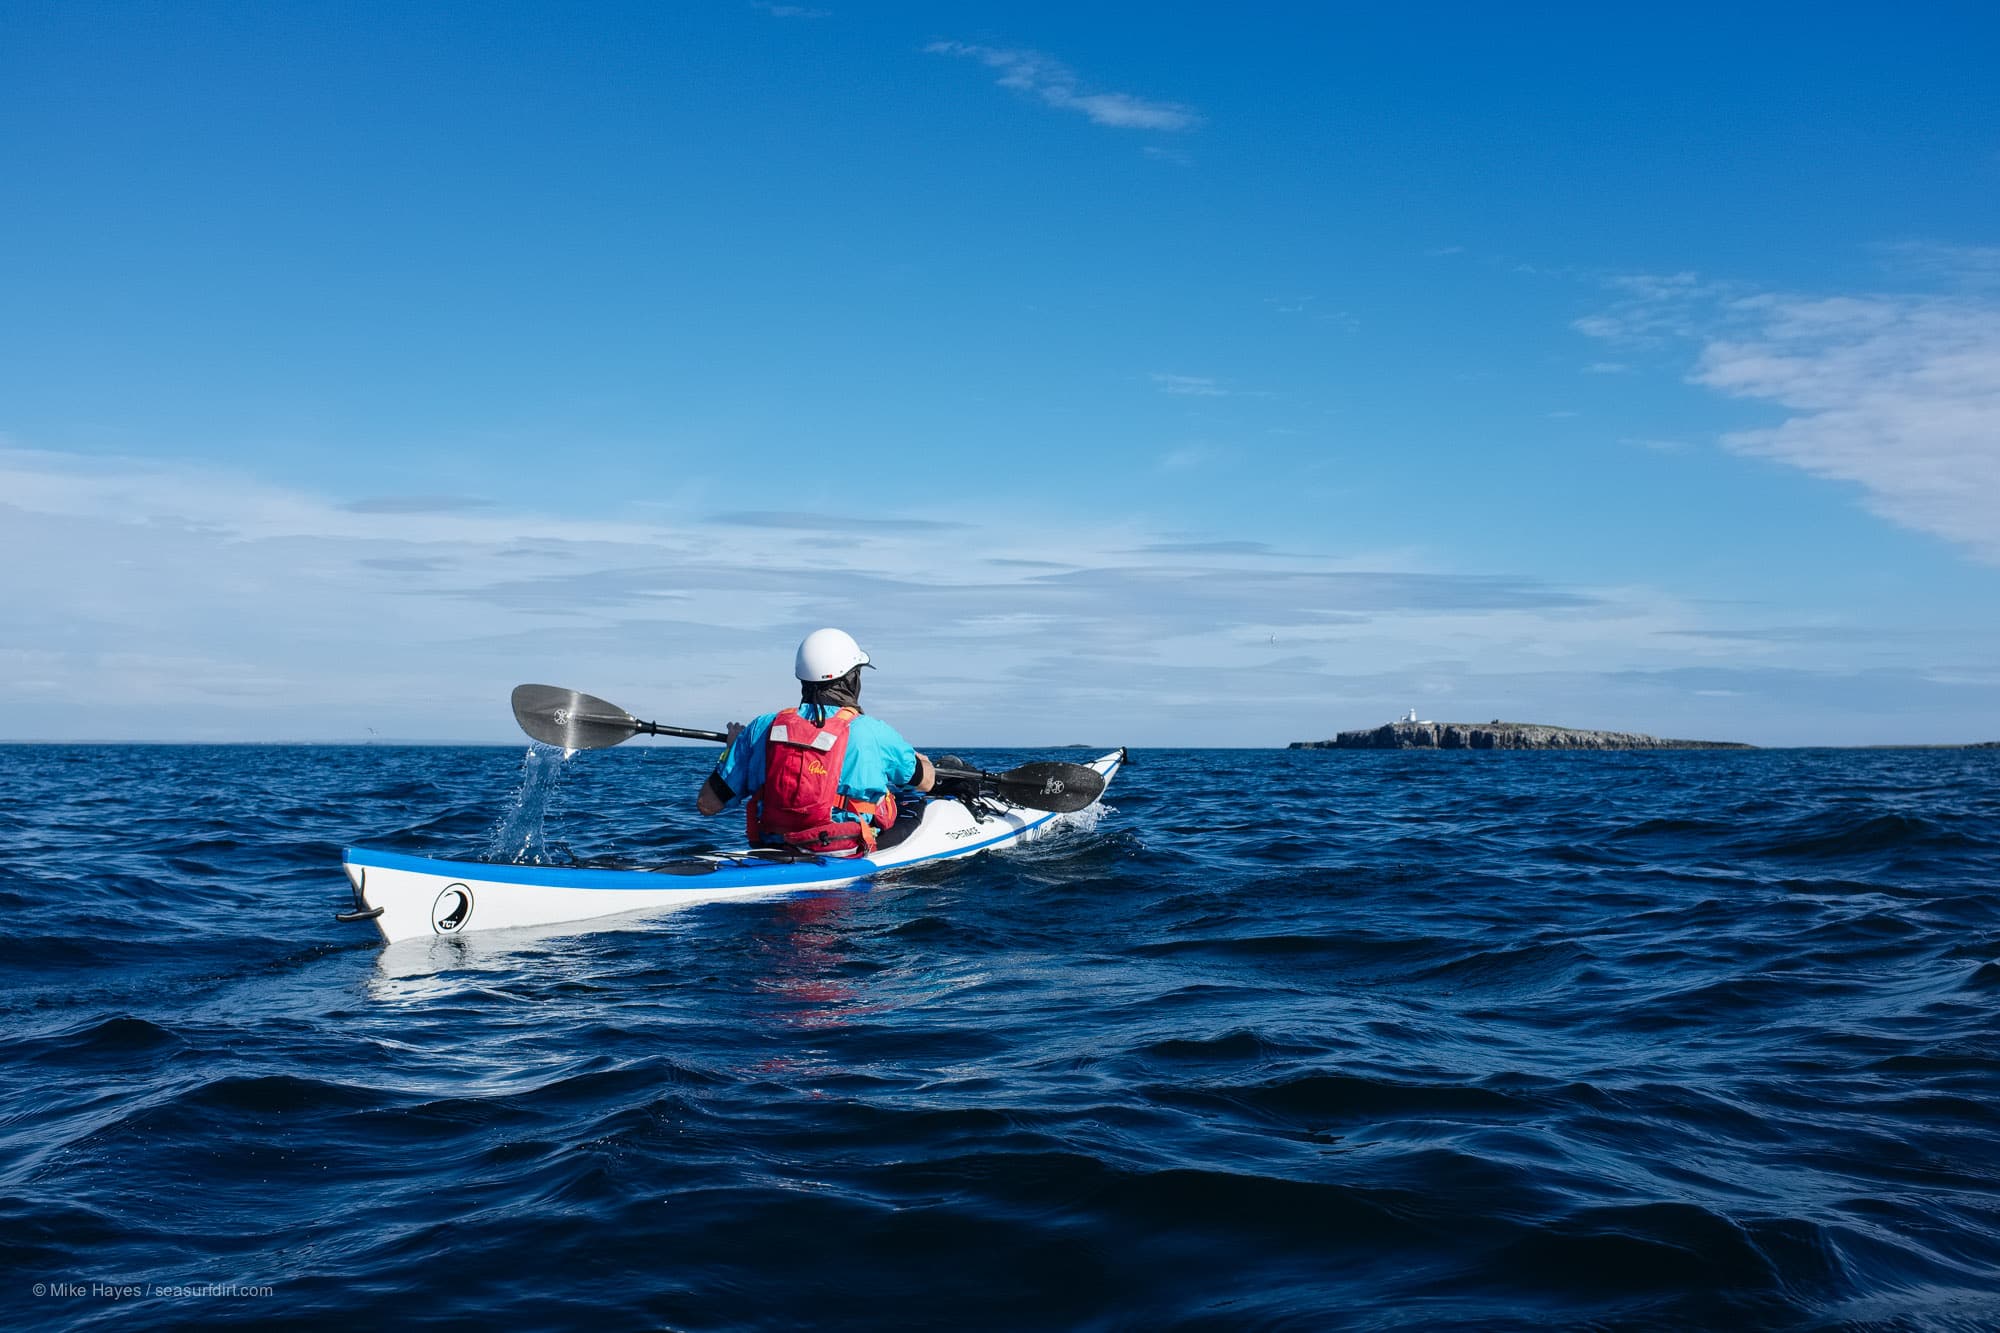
(828,654)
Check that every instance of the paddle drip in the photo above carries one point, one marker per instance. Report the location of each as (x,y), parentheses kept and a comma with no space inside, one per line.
(520,836)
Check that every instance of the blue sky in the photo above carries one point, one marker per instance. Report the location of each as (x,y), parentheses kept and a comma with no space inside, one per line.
(1114,374)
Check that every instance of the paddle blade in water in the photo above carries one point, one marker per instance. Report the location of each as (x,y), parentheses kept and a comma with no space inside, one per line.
(572,720)
(1051,785)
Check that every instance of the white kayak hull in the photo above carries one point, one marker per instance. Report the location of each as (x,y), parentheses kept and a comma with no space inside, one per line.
(416,897)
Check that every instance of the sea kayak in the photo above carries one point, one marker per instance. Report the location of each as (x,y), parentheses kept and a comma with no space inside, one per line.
(419,897)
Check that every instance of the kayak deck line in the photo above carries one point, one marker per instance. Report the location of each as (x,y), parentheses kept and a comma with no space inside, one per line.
(412,897)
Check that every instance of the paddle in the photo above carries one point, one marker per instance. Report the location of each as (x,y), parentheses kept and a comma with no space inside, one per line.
(577,721)
(1047,785)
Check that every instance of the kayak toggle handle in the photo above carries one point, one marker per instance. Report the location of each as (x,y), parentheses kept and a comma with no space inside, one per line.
(357,877)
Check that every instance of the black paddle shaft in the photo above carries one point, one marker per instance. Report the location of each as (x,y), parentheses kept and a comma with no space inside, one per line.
(685,733)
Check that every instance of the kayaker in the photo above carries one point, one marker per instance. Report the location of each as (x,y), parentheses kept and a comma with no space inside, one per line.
(821,776)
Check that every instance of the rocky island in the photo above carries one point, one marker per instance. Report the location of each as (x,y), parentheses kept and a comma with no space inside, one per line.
(1498,735)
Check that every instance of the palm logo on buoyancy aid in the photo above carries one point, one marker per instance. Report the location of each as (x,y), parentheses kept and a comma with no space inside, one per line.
(802,763)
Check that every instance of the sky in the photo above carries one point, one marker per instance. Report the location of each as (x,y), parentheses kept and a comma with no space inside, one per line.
(1116,374)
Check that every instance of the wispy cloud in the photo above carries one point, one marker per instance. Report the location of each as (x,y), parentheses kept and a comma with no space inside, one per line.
(415,504)
(1186,457)
(777,11)
(414,564)
(1954,265)
(1204,548)
(1054,84)
(1790,634)
(804,521)
(1189,386)
(1649,309)
(1308,307)
(1896,393)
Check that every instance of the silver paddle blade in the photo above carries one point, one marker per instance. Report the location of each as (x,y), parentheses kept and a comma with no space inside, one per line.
(570,718)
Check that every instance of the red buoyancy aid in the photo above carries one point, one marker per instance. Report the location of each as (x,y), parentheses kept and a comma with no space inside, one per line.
(801,791)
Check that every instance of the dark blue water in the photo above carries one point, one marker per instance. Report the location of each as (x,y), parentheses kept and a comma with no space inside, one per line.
(1286,1040)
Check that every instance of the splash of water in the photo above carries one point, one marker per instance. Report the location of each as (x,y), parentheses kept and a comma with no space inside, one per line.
(521,834)
(1059,831)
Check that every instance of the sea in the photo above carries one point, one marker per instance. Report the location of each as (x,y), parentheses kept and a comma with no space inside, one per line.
(1267,1040)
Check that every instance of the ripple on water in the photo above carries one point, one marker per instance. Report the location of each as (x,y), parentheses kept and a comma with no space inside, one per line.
(1292,1039)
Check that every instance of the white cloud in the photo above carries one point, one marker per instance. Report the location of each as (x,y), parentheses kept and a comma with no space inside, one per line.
(1896,393)
(778,11)
(1900,395)
(164,600)
(1055,84)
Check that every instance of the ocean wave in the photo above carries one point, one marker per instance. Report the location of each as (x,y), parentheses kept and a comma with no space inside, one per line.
(1290,1040)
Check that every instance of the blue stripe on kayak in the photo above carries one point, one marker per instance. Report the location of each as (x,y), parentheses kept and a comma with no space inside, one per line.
(745,872)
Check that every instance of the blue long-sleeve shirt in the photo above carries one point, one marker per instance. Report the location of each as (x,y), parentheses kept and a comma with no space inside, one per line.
(877,759)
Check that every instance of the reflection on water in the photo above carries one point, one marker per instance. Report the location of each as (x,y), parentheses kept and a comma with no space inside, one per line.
(805,963)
